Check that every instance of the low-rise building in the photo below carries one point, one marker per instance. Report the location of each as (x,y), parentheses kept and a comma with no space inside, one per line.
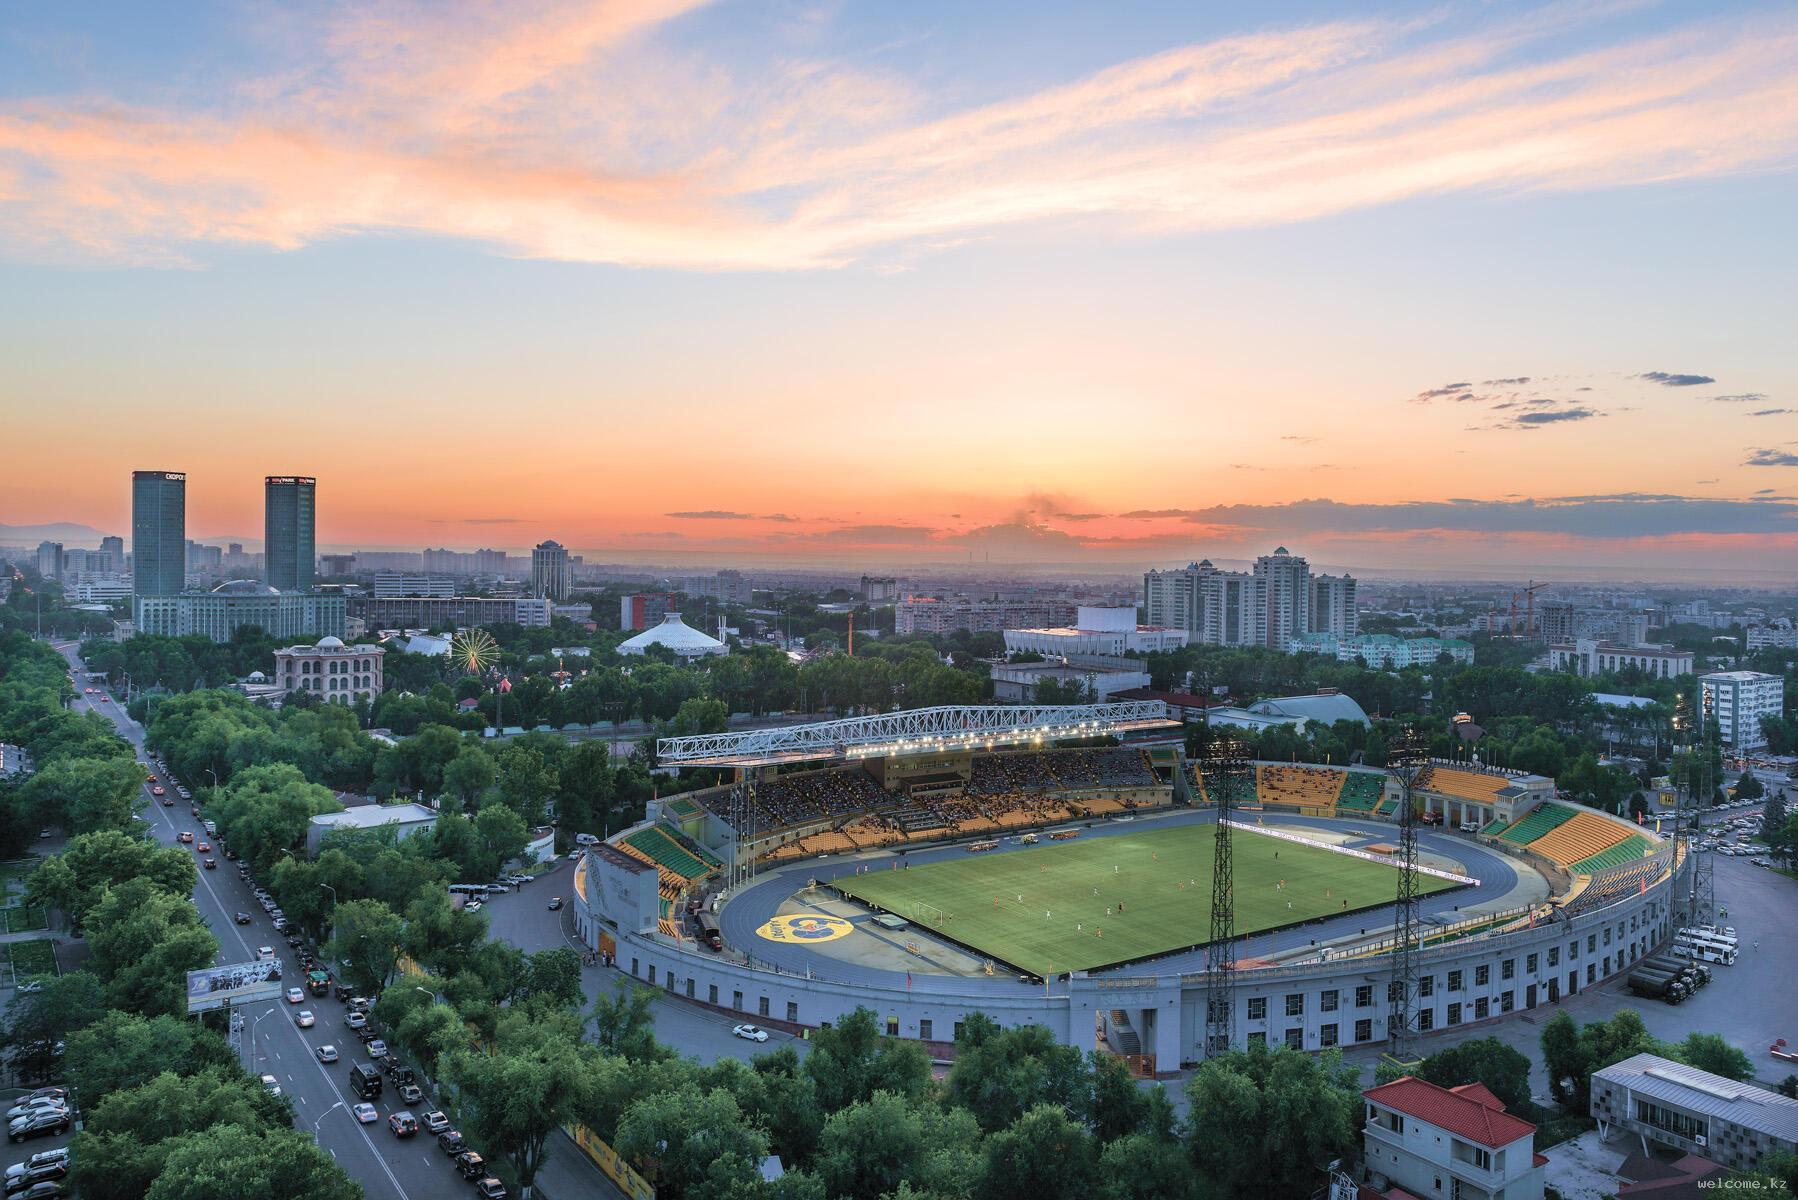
(14,762)
(403,819)
(1448,1142)
(1097,678)
(330,670)
(1384,650)
(932,614)
(677,636)
(1325,707)
(1103,631)
(644,610)
(220,613)
(1586,657)
(450,612)
(1739,701)
(1663,1103)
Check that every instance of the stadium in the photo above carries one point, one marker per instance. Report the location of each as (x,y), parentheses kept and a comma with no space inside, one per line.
(1053,865)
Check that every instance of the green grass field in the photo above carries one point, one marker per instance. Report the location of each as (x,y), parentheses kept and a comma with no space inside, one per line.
(1161,877)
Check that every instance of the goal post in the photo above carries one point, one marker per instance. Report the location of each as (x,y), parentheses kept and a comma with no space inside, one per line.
(929,914)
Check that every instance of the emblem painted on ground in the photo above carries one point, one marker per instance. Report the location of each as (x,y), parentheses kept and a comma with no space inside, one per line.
(805,929)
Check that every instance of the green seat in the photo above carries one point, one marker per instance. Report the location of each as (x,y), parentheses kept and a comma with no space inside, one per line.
(1540,821)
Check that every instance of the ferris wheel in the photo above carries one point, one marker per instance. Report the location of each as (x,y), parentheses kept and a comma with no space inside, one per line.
(474,651)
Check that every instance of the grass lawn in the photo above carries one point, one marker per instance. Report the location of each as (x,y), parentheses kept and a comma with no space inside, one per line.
(1161,877)
(34,957)
(19,919)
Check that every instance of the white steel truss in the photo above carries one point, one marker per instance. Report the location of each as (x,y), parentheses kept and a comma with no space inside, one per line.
(914,731)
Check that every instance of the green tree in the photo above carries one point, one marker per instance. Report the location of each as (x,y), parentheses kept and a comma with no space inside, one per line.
(440,935)
(1503,1071)
(232,1162)
(513,1099)
(37,1021)
(87,794)
(585,801)
(1115,1106)
(468,775)
(128,1135)
(75,880)
(1562,1056)
(705,1147)
(1272,1119)
(501,834)
(1709,1052)
(851,1060)
(1143,1165)
(142,942)
(526,782)
(122,1050)
(365,943)
(1044,1155)
(624,1023)
(868,1148)
(999,1074)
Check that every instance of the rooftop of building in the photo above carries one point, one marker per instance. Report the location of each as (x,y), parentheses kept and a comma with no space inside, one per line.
(675,634)
(1736,676)
(374,816)
(1468,1111)
(1698,1091)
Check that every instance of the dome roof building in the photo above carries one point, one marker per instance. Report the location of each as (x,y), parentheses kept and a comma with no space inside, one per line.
(678,636)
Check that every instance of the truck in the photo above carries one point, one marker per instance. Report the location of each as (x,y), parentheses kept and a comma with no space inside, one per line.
(365,1081)
(318,983)
(1695,974)
(1657,985)
(709,932)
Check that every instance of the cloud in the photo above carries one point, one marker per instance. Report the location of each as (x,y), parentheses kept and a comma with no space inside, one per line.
(1765,457)
(1771,412)
(1533,419)
(1518,381)
(1448,391)
(644,132)
(1620,515)
(881,535)
(1303,439)
(724,514)
(491,521)
(1740,398)
(1666,379)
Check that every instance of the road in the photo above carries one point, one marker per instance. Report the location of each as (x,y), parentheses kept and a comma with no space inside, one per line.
(411,1169)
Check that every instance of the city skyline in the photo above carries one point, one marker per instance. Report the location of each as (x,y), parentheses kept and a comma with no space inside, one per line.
(1445,288)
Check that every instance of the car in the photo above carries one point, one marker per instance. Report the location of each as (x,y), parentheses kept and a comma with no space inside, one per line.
(359,1004)
(158,790)
(271,1085)
(377,1049)
(472,906)
(489,1188)
(185,837)
(211,864)
(47,1189)
(265,952)
(555,904)
(44,832)
(304,1018)
(20,1176)
(403,1124)
(203,848)
(30,988)
(32,1107)
(750,1033)
(168,802)
(40,1124)
(242,918)
(365,1113)
(471,1165)
(356,1019)
(327,1053)
(451,1142)
(435,1122)
(411,1093)
(193,810)
(45,1093)
(365,1035)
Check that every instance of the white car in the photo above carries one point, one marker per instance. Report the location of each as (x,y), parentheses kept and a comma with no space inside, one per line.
(271,1084)
(355,1020)
(295,996)
(327,1054)
(304,1018)
(366,1113)
(265,952)
(750,1033)
(472,906)
(42,1104)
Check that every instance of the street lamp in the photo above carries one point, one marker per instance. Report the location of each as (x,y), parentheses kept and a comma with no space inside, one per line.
(256,1040)
(321,1119)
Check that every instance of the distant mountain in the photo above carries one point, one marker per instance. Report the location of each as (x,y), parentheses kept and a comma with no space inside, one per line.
(58,531)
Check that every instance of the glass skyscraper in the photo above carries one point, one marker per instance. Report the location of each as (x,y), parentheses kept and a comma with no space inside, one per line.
(289,545)
(158,532)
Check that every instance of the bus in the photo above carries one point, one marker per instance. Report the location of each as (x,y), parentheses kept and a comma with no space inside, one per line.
(1704,949)
(709,932)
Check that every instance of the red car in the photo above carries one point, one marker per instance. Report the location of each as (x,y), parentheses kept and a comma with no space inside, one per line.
(185,838)
(157,790)
(203,847)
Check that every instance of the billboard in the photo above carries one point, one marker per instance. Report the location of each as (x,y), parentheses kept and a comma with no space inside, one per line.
(235,983)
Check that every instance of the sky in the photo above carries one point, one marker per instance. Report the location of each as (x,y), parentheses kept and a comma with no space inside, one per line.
(1467,285)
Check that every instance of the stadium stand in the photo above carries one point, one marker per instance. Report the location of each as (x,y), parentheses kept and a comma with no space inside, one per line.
(1361,791)
(1249,799)
(1538,822)
(1311,788)
(663,848)
(1583,835)
(1614,883)
(1477,786)
(811,796)
(1631,847)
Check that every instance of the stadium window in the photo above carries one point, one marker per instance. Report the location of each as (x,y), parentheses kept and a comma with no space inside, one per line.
(652,974)
(925,1029)
(1257,1008)
(1482,1008)
(1607,935)
(1507,969)
(1554,957)
(1327,1036)
(1327,1000)
(793,1011)
(892,1026)
(1426,1019)
(1364,1030)
(762,1009)
(1507,1001)
(1258,1038)
(1607,964)
(1591,972)
(1295,1039)
(1573,950)
(1530,965)
(1364,996)
(1454,981)
(1295,1004)
(1591,943)
(1394,991)
(736,1001)
(958,1031)
(633,966)
(689,987)
(711,995)
(1426,986)
(1454,1013)
(1482,975)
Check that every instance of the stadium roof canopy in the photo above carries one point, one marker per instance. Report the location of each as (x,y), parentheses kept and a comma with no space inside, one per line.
(915,731)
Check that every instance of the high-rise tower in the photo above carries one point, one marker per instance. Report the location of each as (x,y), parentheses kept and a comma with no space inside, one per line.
(158,532)
(289,545)
(549,570)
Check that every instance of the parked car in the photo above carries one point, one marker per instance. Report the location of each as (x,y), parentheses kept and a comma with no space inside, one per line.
(750,1033)
(411,1093)
(40,1124)
(32,1107)
(435,1122)
(489,1188)
(403,1124)
(355,1019)
(451,1142)
(377,1049)
(471,1165)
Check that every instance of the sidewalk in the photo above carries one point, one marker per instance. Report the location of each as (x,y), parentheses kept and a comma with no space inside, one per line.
(568,1174)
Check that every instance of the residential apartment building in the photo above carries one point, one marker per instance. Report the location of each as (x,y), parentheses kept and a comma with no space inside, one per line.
(549,571)
(449,612)
(1738,701)
(1268,606)
(726,587)
(1453,1143)
(642,610)
(404,583)
(49,560)
(1588,657)
(1333,606)
(1285,598)
(931,614)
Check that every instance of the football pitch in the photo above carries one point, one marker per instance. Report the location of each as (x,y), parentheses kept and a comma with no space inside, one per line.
(1084,903)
